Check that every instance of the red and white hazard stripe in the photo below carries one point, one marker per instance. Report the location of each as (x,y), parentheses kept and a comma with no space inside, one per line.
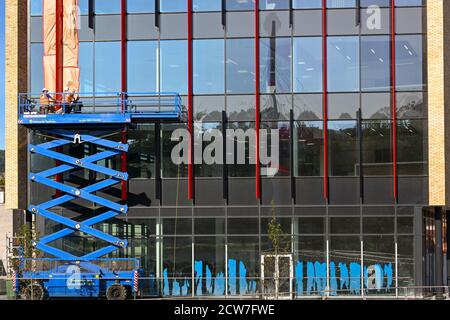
(14,281)
(136,281)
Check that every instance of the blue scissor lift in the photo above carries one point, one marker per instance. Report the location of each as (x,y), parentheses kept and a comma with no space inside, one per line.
(64,274)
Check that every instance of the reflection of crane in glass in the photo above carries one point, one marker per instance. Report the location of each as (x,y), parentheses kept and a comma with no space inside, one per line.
(275,76)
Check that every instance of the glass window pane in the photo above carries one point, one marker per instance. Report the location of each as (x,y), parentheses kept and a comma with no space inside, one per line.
(376,148)
(240,66)
(341,3)
(169,169)
(141,6)
(343,148)
(207,5)
(307,4)
(107,67)
(209,108)
(141,154)
(174,66)
(209,67)
(275,65)
(411,147)
(36,68)
(173,5)
(206,168)
(107,6)
(375,63)
(240,5)
(343,64)
(409,64)
(86,63)
(308,148)
(307,64)
(243,145)
(273,4)
(209,265)
(141,66)
(35,7)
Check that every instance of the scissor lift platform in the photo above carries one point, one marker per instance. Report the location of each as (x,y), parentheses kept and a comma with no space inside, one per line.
(105,108)
(80,123)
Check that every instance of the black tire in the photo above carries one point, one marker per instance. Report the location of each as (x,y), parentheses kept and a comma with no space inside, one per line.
(116,292)
(33,291)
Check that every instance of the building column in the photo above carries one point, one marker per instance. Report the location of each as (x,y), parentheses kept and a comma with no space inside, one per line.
(439,261)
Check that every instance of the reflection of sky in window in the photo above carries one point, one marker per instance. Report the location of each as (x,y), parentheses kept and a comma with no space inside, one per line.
(409,63)
(209,66)
(174,66)
(307,4)
(35,7)
(278,51)
(107,66)
(173,5)
(240,66)
(141,67)
(307,64)
(140,6)
(207,5)
(240,4)
(86,63)
(37,76)
(375,63)
(343,64)
(107,6)
(273,4)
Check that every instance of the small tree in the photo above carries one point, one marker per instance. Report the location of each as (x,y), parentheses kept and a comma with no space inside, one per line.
(24,239)
(281,244)
(280,240)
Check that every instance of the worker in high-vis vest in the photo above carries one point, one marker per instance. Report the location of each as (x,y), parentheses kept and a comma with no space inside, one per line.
(69,99)
(46,101)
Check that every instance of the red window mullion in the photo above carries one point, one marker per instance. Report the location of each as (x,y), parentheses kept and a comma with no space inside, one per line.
(394,103)
(325,100)
(190,104)
(257,102)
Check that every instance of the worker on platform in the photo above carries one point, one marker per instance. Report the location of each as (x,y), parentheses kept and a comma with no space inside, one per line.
(70,98)
(46,101)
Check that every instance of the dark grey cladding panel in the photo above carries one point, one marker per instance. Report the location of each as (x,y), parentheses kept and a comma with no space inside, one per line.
(142,27)
(208,25)
(310,211)
(276,191)
(208,212)
(413,190)
(274,23)
(344,191)
(243,211)
(142,213)
(36,29)
(40,193)
(378,211)
(378,190)
(173,26)
(277,211)
(176,212)
(409,20)
(242,191)
(309,191)
(175,192)
(84,32)
(344,211)
(342,22)
(308,23)
(240,24)
(141,193)
(107,28)
(208,192)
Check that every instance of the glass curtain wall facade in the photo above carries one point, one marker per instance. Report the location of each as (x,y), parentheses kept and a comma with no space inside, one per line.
(342,237)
